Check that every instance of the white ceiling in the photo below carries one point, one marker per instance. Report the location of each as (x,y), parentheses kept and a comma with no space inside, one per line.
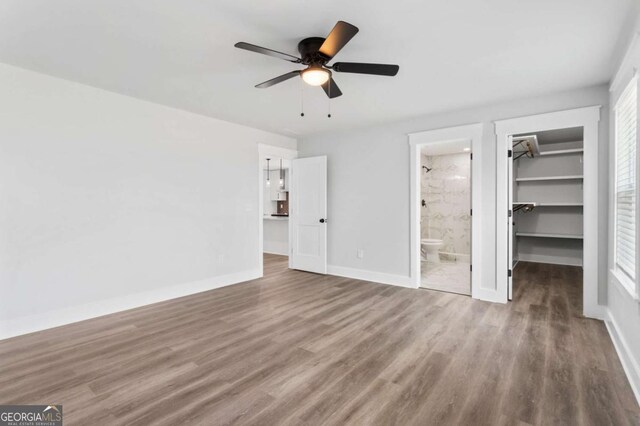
(452,54)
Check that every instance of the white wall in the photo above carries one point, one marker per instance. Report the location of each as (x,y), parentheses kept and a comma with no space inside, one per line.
(623,310)
(368,173)
(109,202)
(275,230)
(271,191)
(268,191)
(276,236)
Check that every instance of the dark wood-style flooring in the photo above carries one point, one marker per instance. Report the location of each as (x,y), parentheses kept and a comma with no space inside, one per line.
(297,348)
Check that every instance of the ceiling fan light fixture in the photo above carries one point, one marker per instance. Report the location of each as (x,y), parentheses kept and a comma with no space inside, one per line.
(316,76)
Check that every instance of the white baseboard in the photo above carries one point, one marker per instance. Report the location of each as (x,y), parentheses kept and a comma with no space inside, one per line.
(278,252)
(275,252)
(376,277)
(553,260)
(629,363)
(276,247)
(598,312)
(45,320)
(487,295)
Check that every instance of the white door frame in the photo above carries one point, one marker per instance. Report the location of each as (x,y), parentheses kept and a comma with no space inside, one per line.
(472,132)
(264,152)
(588,119)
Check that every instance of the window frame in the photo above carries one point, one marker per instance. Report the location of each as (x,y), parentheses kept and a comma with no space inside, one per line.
(627,282)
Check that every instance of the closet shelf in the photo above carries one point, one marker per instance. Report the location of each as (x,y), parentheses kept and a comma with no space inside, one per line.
(562,151)
(548,235)
(560,204)
(537,204)
(534,179)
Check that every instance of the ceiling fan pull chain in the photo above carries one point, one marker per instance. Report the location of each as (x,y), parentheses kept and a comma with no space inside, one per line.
(329,114)
(301,98)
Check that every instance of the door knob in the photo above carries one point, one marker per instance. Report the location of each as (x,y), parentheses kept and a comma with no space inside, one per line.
(323,220)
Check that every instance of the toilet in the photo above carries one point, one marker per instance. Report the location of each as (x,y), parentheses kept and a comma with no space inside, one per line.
(430,247)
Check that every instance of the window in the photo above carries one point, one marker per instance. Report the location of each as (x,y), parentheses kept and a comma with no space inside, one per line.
(626,117)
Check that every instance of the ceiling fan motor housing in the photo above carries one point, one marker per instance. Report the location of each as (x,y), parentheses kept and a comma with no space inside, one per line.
(309,49)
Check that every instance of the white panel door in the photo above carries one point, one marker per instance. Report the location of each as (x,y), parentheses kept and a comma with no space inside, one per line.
(510,219)
(308,214)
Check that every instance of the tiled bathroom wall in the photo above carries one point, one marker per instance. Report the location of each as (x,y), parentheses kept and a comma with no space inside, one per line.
(446,189)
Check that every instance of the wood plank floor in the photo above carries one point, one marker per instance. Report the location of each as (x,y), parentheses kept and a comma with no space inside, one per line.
(297,348)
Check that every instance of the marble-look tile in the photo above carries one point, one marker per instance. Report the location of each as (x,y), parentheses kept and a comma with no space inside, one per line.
(446,190)
(454,277)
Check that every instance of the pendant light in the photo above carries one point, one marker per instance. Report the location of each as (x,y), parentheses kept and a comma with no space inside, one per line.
(268,182)
(281,175)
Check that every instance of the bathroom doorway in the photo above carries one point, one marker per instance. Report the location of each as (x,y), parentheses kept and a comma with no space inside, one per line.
(445,216)
(466,262)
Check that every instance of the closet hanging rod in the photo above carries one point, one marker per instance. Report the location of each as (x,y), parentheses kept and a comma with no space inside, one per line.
(527,145)
(525,206)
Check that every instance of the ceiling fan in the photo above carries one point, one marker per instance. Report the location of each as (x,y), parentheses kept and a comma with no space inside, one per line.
(315,53)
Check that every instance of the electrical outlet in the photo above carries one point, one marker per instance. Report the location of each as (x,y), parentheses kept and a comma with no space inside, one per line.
(360,254)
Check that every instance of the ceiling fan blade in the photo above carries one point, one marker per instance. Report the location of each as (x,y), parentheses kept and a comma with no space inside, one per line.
(277,80)
(331,89)
(268,52)
(360,68)
(338,38)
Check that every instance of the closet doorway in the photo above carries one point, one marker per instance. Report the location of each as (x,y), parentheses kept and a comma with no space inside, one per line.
(445,216)
(546,195)
(547,198)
